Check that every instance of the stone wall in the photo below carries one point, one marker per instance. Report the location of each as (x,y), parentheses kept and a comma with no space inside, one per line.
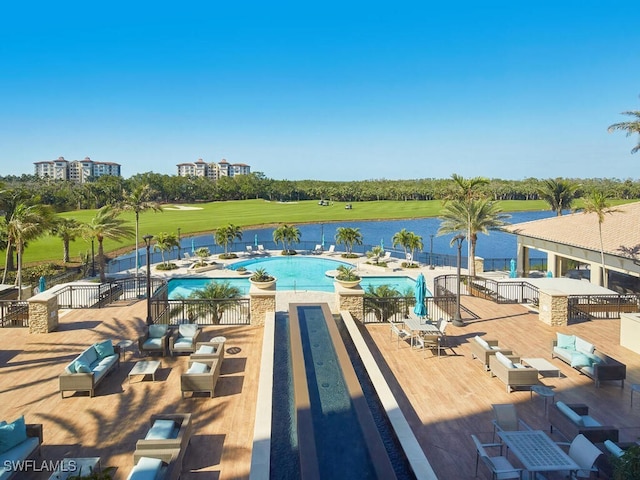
(350,299)
(553,307)
(478,262)
(43,313)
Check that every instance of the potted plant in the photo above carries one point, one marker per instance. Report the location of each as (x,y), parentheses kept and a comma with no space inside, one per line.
(242,270)
(347,276)
(262,279)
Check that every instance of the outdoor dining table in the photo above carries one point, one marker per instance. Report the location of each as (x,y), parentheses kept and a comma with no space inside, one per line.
(417,326)
(537,451)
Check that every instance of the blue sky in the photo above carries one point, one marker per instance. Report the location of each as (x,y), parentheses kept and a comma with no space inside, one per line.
(325,90)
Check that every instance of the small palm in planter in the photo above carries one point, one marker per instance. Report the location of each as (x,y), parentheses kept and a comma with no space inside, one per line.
(347,276)
(262,278)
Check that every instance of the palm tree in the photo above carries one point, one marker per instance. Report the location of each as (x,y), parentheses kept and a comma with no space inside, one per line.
(106,224)
(138,201)
(597,202)
(165,242)
(287,235)
(9,200)
(27,222)
(224,236)
(377,302)
(409,241)
(558,193)
(67,229)
(629,127)
(215,298)
(349,237)
(471,218)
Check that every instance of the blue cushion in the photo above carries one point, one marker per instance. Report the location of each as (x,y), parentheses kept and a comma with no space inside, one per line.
(583,346)
(197,367)
(90,355)
(146,469)
(104,349)
(566,341)
(157,331)
(81,367)
(12,434)
(188,330)
(71,368)
(482,342)
(161,430)
(206,349)
(569,413)
(580,360)
(613,448)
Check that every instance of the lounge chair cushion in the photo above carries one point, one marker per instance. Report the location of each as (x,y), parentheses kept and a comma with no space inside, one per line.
(566,341)
(89,356)
(589,421)
(197,367)
(583,346)
(104,349)
(183,342)
(580,360)
(614,449)
(206,349)
(162,430)
(146,469)
(12,434)
(152,343)
(569,413)
(158,331)
(482,342)
(188,330)
(503,359)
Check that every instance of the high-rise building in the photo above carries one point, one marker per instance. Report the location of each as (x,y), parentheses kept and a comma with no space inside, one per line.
(75,170)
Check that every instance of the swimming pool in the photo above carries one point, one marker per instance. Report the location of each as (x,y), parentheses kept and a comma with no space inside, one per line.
(293,273)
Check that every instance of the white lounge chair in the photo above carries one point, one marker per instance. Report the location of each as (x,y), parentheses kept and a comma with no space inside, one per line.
(317,250)
(249,251)
(261,250)
(332,250)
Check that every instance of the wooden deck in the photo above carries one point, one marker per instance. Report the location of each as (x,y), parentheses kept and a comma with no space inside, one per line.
(445,400)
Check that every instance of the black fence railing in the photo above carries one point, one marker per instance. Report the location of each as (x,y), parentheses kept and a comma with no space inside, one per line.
(224,311)
(14,313)
(582,307)
(395,309)
(98,295)
(499,292)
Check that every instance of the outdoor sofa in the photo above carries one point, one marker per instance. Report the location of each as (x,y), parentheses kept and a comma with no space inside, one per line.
(87,370)
(583,356)
(483,349)
(511,372)
(18,442)
(573,419)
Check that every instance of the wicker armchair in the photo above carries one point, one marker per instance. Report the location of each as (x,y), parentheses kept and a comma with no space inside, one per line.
(200,379)
(513,377)
(154,340)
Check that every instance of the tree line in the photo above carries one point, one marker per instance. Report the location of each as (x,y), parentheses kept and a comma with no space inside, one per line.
(109,190)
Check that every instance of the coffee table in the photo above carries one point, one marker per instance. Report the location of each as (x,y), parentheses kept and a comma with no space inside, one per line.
(544,367)
(75,466)
(144,368)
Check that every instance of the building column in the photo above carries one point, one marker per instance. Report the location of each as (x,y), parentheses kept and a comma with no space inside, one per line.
(520,255)
(596,273)
(552,264)
(553,307)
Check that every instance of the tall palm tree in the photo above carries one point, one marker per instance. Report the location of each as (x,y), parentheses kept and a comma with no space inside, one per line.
(224,236)
(631,127)
(558,193)
(106,224)
(349,237)
(165,242)
(27,223)
(471,218)
(287,235)
(67,229)
(138,201)
(597,202)
(409,241)
(9,200)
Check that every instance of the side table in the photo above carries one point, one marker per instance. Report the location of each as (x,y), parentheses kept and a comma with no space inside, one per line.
(124,345)
(544,392)
(75,466)
(218,339)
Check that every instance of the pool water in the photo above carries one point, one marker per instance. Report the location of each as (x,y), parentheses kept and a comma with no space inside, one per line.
(293,273)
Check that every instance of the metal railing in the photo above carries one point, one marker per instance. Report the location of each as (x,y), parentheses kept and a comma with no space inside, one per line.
(499,292)
(14,313)
(224,311)
(582,307)
(396,309)
(99,295)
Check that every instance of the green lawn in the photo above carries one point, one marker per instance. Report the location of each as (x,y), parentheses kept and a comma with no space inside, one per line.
(245,213)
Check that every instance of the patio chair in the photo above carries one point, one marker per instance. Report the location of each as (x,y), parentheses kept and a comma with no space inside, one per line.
(585,454)
(317,250)
(506,419)
(400,333)
(201,376)
(249,251)
(261,250)
(331,250)
(499,466)
(431,342)
(154,340)
(184,340)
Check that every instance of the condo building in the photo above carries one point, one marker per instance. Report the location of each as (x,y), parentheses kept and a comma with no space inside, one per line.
(79,171)
(212,170)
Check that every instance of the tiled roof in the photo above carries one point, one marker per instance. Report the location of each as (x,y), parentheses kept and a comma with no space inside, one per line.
(620,228)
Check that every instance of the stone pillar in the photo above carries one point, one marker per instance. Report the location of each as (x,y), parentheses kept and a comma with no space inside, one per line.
(263,300)
(520,259)
(478,262)
(351,299)
(630,331)
(553,307)
(596,273)
(43,313)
